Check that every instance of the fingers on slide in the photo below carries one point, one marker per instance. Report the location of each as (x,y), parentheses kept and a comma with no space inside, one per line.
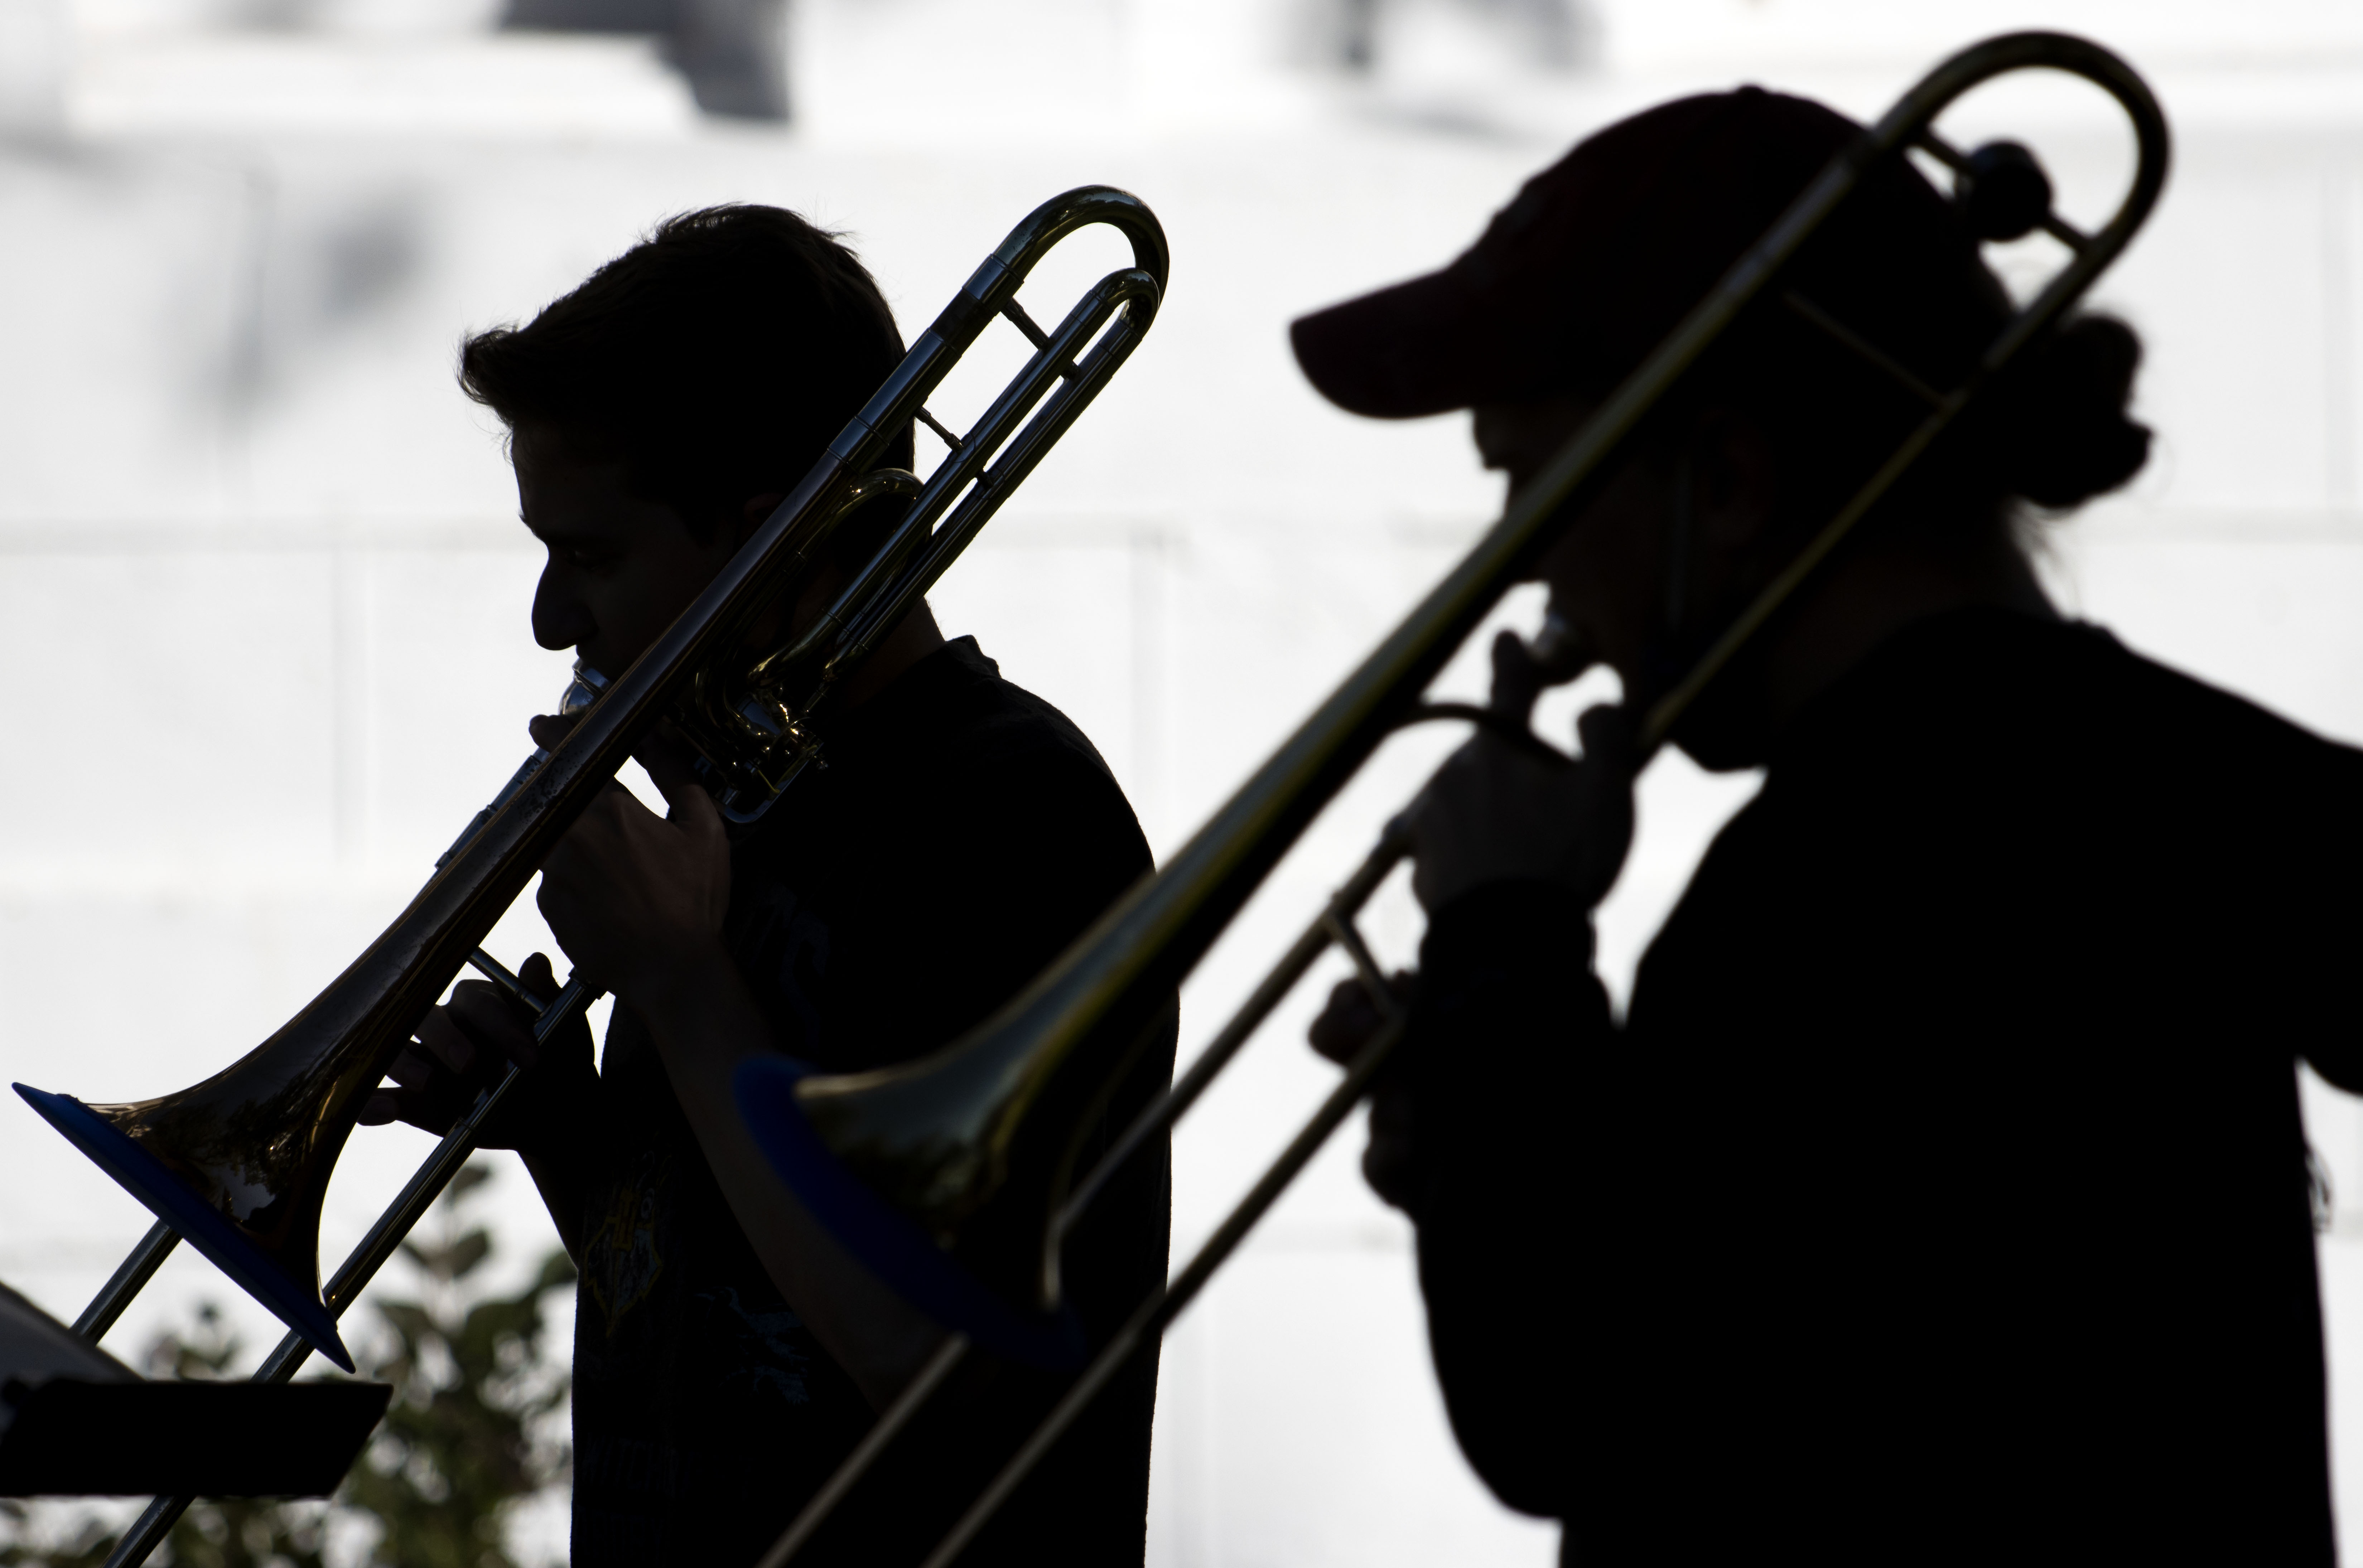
(1518,680)
(459,1048)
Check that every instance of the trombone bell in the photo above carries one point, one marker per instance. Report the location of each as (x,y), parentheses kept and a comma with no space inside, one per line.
(914,1135)
(229,1170)
(947,1176)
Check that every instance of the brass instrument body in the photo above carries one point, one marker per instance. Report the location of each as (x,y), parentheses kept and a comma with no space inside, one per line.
(967,1145)
(239,1163)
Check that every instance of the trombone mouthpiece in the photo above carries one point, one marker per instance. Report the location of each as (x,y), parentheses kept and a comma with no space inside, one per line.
(580,691)
(1557,650)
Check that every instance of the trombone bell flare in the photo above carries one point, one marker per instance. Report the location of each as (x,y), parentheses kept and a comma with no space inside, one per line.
(881,1238)
(946,1176)
(296,1301)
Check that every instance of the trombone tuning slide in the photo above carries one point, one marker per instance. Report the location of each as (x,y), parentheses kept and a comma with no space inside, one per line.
(172,1200)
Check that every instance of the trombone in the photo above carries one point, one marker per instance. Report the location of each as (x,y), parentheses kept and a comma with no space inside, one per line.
(916,1167)
(238,1165)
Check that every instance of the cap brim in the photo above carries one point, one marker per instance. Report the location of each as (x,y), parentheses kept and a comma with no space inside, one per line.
(1419,348)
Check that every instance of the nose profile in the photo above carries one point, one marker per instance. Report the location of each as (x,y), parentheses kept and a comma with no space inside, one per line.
(561,619)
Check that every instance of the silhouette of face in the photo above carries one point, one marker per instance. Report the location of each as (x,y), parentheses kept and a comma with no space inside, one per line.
(620,567)
(1606,573)
(1610,572)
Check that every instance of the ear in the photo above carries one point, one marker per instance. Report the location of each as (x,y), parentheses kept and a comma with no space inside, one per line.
(1733,482)
(756,509)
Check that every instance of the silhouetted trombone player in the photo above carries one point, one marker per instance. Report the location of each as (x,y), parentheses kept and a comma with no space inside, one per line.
(727,1353)
(1942,1196)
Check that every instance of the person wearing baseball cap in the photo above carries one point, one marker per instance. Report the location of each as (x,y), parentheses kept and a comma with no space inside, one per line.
(1941,1193)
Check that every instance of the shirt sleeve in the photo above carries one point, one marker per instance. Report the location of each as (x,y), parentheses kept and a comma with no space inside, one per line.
(1507,1011)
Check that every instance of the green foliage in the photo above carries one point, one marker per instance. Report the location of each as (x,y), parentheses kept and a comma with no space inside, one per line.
(466,1438)
(82,1544)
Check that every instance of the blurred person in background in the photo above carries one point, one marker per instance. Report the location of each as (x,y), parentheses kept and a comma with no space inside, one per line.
(727,1353)
(1942,1195)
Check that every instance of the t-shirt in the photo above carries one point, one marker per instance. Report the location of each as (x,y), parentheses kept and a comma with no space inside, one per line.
(1944,1196)
(961,835)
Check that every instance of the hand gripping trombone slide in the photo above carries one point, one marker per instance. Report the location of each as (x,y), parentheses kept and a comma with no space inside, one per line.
(239,1164)
(912,1167)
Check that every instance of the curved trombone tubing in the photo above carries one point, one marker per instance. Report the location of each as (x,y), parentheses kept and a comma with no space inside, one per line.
(942,1136)
(983,468)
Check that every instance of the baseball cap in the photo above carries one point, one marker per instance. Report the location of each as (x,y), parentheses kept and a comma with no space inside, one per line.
(1602,254)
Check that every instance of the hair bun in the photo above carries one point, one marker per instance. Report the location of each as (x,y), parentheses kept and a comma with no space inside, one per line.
(2065,435)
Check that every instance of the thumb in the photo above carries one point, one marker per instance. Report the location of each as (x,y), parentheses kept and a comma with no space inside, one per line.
(548,729)
(1517,678)
(689,807)
(537,973)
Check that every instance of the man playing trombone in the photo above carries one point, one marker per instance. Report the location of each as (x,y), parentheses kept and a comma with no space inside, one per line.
(727,1353)
(1942,1195)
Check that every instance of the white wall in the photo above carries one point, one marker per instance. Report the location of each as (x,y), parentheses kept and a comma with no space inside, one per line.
(263,596)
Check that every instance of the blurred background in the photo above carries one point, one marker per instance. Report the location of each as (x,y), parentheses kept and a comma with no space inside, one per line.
(263,594)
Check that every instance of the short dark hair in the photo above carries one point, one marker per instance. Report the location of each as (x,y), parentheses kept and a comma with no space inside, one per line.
(715,359)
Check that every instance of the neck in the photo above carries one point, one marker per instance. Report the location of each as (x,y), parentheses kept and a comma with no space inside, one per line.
(1868,596)
(1857,603)
(913,639)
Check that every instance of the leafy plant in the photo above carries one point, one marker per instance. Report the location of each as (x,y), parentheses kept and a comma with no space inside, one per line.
(467,1437)
(84,1543)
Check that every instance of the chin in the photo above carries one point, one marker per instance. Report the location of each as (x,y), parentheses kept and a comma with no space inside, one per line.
(1724,730)
(1717,754)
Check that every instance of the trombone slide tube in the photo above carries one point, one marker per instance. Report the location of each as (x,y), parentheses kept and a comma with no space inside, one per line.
(875,1441)
(1160,1115)
(1156,1119)
(131,1278)
(1155,1315)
